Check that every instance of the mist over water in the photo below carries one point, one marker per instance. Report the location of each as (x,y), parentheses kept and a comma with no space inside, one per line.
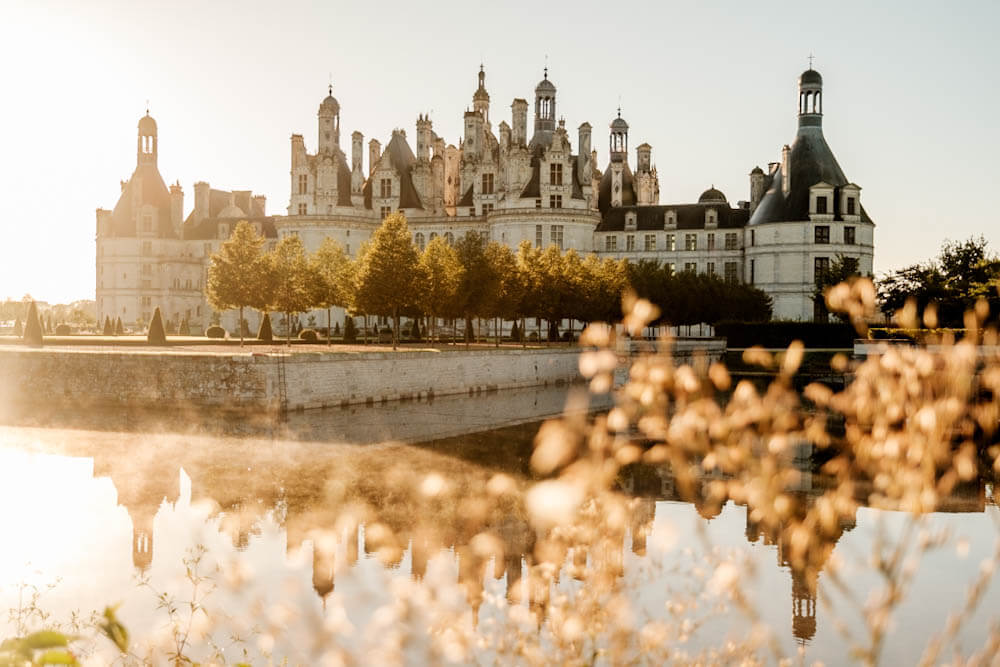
(104,508)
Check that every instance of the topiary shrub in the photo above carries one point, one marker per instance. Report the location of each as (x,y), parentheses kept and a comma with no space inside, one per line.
(33,326)
(350,331)
(156,334)
(264,332)
(109,329)
(215,331)
(309,335)
(515,333)
(18,328)
(120,329)
(63,330)
(336,329)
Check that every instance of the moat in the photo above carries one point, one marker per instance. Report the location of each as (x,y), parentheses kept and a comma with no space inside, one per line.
(119,500)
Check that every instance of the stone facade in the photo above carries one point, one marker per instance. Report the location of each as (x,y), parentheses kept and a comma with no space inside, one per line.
(507,186)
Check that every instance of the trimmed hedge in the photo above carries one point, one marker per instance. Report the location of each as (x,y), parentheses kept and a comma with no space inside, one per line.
(215,331)
(63,330)
(780,334)
(309,335)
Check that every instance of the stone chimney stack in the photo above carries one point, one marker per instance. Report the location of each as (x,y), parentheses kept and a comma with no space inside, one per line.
(201,197)
(519,120)
(176,205)
(258,207)
(786,166)
(357,141)
(374,154)
(424,138)
(504,136)
(757,179)
(583,152)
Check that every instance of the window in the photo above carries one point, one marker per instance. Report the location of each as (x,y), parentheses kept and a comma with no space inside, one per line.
(555,174)
(670,219)
(629,242)
(303,184)
(690,241)
(538,236)
(147,301)
(449,238)
(418,239)
(385,211)
(851,265)
(147,247)
(650,243)
(472,212)
(710,268)
(385,188)
(730,269)
(538,203)
(671,268)
(851,206)
(207,249)
(753,267)
(487,184)
(691,267)
(433,236)
(611,243)
(822,233)
(820,266)
(731,240)
(849,237)
(753,237)
(302,209)
(487,208)
(147,269)
(348,248)
(711,241)
(147,223)
(556,235)
(671,242)
(555,201)
(821,204)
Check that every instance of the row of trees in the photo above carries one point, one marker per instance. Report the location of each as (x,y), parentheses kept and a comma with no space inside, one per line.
(472,279)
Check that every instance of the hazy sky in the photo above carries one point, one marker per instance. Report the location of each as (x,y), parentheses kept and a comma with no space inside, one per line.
(910,100)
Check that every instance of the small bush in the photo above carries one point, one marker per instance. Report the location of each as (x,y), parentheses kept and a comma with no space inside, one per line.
(515,334)
(336,328)
(264,333)
(215,331)
(533,336)
(309,335)
(63,330)
(350,331)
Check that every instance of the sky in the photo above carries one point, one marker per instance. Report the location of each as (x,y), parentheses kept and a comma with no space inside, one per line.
(910,100)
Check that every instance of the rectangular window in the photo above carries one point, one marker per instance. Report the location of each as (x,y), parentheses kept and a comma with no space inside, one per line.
(385,188)
(147,269)
(650,243)
(710,268)
(731,240)
(555,174)
(820,266)
(556,235)
(303,184)
(671,268)
(821,204)
(629,242)
(851,206)
(487,208)
(487,184)
(385,211)
(302,209)
(472,211)
(147,223)
(147,247)
(555,201)
(753,237)
(730,272)
(753,267)
(711,241)
(538,203)
(538,236)
(671,242)
(691,267)
(690,241)
(207,248)
(822,233)
(851,265)
(849,237)
(611,243)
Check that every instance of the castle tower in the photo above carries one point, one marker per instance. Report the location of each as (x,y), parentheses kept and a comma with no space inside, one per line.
(146,141)
(757,187)
(357,173)
(481,98)
(424,133)
(545,105)
(519,122)
(618,140)
(583,153)
(810,99)
(329,123)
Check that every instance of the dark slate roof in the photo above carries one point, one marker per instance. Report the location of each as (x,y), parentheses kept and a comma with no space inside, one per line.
(532,189)
(689,216)
(810,76)
(402,159)
(208,228)
(466,199)
(628,189)
(712,195)
(145,186)
(811,162)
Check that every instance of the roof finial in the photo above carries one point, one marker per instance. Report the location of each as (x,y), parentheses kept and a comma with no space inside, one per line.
(546,70)
(147,107)
(329,85)
(619,106)
(811,61)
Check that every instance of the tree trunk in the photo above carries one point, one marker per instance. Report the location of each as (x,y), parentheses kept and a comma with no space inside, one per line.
(366,328)
(496,330)
(329,330)
(288,329)
(479,329)
(395,327)
(523,334)
(241,326)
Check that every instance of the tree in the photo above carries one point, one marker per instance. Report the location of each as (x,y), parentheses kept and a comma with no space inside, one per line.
(156,335)
(441,274)
(508,285)
(842,269)
(477,281)
(389,255)
(290,276)
(237,273)
(333,279)
(533,283)
(33,326)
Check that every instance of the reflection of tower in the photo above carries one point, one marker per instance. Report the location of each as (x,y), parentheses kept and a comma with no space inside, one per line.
(641,523)
(322,571)
(804,604)
(142,537)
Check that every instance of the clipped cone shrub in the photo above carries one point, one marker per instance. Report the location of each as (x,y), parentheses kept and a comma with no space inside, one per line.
(156,334)
(108,329)
(33,327)
(18,328)
(264,332)
(336,328)
(350,331)
(215,331)
(120,330)
(515,334)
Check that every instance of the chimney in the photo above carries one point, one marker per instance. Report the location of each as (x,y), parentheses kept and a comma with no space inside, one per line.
(643,157)
(504,136)
(423,138)
(357,139)
(757,180)
(583,152)
(374,154)
(519,135)
(201,197)
(786,166)
(176,205)
(259,207)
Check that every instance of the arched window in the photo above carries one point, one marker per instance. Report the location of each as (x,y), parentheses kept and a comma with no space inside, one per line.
(419,240)
(433,235)
(449,237)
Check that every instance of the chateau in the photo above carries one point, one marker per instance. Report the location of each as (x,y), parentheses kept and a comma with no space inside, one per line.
(801,213)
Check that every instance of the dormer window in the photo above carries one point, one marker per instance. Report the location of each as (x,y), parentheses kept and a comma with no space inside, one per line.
(821,205)
(487,184)
(555,174)
(852,205)
(670,220)
(385,188)
(223,231)
(711,217)
(630,220)
(303,184)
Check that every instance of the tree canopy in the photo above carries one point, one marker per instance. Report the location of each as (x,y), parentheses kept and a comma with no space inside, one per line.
(237,276)
(389,258)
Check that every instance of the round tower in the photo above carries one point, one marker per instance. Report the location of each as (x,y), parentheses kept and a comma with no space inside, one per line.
(481,98)
(810,99)
(146,142)
(329,123)
(618,140)
(545,105)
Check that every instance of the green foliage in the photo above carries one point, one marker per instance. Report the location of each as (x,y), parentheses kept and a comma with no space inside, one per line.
(384,280)
(441,275)
(350,331)
(45,647)
(215,331)
(264,332)
(238,276)
(114,630)
(33,326)
(309,335)
(515,334)
(332,275)
(290,278)
(336,328)
(156,334)
(63,330)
